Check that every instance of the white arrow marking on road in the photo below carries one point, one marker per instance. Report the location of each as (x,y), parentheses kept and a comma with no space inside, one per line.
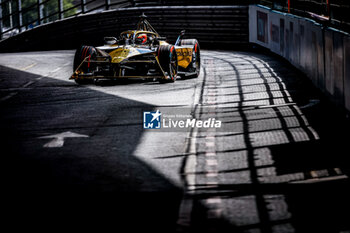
(58,139)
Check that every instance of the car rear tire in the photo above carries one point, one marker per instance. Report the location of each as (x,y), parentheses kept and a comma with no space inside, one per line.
(168,61)
(195,65)
(80,55)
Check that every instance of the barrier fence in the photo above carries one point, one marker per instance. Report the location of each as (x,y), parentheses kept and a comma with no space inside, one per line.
(20,15)
(322,53)
(329,12)
(213,26)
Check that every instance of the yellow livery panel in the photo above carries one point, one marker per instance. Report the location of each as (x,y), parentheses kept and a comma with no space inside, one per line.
(184,56)
(122,53)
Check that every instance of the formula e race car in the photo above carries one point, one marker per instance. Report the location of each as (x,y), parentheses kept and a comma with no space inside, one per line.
(139,53)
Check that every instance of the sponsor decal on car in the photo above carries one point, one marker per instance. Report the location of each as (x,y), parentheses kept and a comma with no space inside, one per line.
(184,52)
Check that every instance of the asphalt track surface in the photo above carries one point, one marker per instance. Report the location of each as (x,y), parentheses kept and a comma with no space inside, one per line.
(278,165)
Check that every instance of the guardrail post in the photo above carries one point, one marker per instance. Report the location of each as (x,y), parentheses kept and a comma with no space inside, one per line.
(83,6)
(288,6)
(40,11)
(60,9)
(108,2)
(19,10)
(1,26)
(329,9)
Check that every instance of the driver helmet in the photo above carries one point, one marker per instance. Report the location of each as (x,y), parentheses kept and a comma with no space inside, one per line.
(143,38)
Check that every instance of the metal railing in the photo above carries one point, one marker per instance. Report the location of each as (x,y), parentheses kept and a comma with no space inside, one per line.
(15,17)
(321,7)
(329,12)
(20,15)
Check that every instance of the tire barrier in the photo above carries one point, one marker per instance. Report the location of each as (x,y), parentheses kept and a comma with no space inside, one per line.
(322,53)
(213,26)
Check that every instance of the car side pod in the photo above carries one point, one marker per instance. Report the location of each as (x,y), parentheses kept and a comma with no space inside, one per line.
(193,70)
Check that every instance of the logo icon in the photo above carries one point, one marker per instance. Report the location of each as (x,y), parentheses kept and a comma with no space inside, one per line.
(151,120)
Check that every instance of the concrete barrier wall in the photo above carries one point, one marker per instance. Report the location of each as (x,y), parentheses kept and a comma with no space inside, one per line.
(346,44)
(329,63)
(323,54)
(213,26)
(338,67)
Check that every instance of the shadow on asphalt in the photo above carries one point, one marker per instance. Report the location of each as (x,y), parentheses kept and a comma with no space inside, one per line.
(97,185)
(92,184)
(301,184)
(320,151)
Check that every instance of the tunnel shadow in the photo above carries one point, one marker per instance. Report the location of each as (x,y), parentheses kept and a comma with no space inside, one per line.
(90,184)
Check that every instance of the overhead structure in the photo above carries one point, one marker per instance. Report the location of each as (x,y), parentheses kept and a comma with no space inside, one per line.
(144,25)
